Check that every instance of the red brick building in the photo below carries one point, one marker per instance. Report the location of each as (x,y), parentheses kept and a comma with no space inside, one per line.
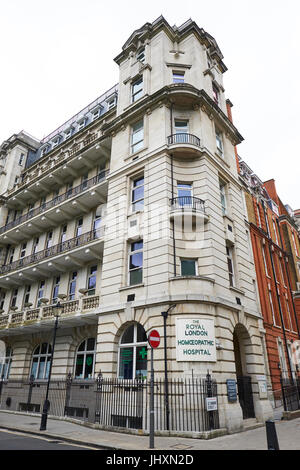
(276,250)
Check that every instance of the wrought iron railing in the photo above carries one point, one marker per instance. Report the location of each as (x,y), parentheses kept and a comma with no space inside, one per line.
(56,200)
(290,394)
(53,250)
(183,138)
(120,403)
(187,202)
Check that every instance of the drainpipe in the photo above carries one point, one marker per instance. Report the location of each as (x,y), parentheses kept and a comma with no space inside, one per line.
(277,295)
(172,189)
(289,282)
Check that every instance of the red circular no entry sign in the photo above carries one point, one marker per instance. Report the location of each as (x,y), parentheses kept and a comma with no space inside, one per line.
(154,338)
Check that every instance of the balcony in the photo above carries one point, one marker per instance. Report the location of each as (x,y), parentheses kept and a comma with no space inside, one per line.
(183,144)
(74,313)
(188,206)
(67,205)
(52,260)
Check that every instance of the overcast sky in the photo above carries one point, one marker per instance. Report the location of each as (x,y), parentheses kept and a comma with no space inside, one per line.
(57,57)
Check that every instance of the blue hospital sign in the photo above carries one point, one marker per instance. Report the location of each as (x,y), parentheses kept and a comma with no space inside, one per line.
(195,340)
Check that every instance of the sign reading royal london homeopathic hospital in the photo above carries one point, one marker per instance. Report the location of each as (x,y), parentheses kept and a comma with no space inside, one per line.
(195,340)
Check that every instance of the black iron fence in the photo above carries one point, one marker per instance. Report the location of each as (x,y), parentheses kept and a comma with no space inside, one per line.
(290,394)
(118,402)
(183,138)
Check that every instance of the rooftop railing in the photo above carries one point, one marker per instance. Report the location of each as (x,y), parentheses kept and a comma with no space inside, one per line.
(56,200)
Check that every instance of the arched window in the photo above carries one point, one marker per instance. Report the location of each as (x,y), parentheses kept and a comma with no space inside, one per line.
(41,361)
(133,353)
(85,359)
(5,363)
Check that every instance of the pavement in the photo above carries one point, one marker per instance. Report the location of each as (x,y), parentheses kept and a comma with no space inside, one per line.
(288,433)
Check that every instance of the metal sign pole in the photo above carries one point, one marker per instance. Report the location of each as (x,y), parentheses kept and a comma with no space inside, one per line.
(151,444)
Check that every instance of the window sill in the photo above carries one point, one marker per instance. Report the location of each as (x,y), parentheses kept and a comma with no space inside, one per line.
(237,290)
(131,287)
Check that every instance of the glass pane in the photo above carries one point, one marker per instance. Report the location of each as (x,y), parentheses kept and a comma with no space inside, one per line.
(136,277)
(82,346)
(136,260)
(79,366)
(37,350)
(128,335)
(126,363)
(44,348)
(138,182)
(137,193)
(34,367)
(141,361)
(47,368)
(90,344)
(89,361)
(188,267)
(137,246)
(141,334)
(138,135)
(41,368)
(92,282)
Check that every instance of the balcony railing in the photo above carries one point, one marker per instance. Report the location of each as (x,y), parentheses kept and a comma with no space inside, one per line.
(53,250)
(187,202)
(32,315)
(56,200)
(183,138)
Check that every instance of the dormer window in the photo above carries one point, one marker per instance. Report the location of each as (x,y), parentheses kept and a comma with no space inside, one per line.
(81,123)
(111,103)
(56,141)
(140,56)
(44,150)
(68,133)
(95,112)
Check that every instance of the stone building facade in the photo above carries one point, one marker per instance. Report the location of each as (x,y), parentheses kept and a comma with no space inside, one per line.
(132,207)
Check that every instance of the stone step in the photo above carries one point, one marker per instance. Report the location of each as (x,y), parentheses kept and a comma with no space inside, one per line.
(251,423)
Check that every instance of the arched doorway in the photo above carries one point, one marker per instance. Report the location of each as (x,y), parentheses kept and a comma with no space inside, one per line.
(242,353)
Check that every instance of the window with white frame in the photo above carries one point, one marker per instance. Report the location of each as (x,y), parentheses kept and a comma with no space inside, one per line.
(40,293)
(137,89)
(223,197)
(137,136)
(5,363)
(295,244)
(81,124)
(258,214)
(216,94)
(21,159)
(137,194)
(27,291)
(275,231)
(141,55)
(230,263)
(95,114)
(85,359)
(92,280)
(55,289)
(282,361)
(289,313)
(181,129)
(97,221)
(178,76)
(188,267)
(41,359)
(219,143)
(272,307)
(14,296)
(2,299)
(133,353)
(68,133)
(136,263)
(35,245)
(23,250)
(265,260)
(72,285)
(185,194)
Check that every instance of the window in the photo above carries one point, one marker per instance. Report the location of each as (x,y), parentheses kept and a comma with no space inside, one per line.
(63,234)
(84,181)
(111,103)
(265,261)
(141,55)
(21,159)
(95,114)
(2,299)
(69,189)
(97,222)
(282,358)
(85,359)
(219,142)
(137,136)
(181,129)
(23,250)
(40,293)
(81,124)
(35,245)
(79,227)
(11,255)
(272,307)
(133,353)
(216,94)
(49,239)
(258,215)
(136,263)
(68,133)
(6,364)
(92,279)
(295,244)
(55,289)
(14,297)
(188,267)
(137,89)
(26,295)
(178,77)
(184,193)
(289,314)
(222,186)
(137,194)
(275,231)
(72,285)
(229,253)
(41,359)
